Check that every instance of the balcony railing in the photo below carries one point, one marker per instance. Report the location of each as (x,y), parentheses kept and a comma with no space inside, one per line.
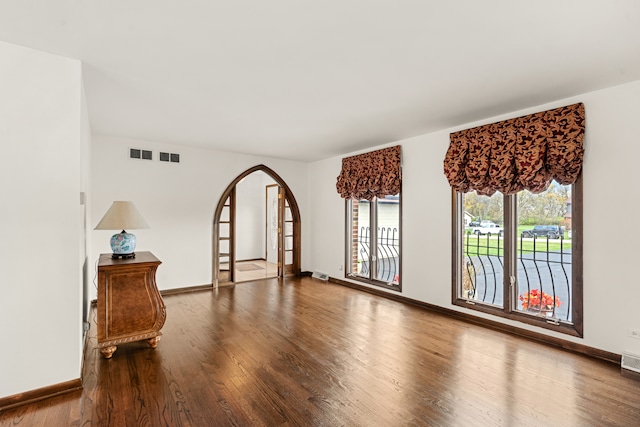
(543,264)
(388,244)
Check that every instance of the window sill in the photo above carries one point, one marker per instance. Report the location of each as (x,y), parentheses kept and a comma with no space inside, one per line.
(542,322)
(379,283)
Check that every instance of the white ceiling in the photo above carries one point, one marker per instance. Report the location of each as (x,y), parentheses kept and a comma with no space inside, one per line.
(306,80)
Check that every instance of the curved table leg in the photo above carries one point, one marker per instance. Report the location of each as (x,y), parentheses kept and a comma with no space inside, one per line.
(153,342)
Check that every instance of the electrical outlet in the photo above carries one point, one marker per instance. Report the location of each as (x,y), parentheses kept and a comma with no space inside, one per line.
(634,333)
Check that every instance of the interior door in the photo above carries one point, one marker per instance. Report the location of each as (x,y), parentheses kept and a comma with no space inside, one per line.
(287,235)
(272,221)
(287,232)
(225,240)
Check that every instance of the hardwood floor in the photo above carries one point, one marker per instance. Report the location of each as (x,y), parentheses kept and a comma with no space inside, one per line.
(300,352)
(255,270)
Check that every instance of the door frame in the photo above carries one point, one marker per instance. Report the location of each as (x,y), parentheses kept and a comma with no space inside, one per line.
(295,213)
(268,225)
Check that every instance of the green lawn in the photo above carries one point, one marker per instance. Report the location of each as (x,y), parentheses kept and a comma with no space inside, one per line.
(484,245)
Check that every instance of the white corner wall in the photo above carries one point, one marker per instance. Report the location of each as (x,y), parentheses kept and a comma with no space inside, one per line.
(40,135)
(177,200)
(251,211)
(85,212)
(611,205)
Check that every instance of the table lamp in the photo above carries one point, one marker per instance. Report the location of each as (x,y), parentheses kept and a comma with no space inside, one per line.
(121,216)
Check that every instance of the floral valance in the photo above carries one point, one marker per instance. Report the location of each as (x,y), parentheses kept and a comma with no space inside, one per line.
(523,153)
(369,175)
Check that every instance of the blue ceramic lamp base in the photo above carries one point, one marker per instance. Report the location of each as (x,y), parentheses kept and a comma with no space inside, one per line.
(123,245)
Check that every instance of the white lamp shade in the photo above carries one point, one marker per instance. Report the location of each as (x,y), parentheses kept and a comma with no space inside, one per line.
(122,216)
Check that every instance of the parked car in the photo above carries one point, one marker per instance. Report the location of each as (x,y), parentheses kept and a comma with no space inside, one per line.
(549,231)
(487,227)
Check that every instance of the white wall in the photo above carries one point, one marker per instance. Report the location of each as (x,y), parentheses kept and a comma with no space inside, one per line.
(610,199)
(85,226)
(40,258)
(251,216)
(177,200)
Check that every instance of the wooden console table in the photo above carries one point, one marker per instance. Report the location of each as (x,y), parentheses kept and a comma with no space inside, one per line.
(130,307)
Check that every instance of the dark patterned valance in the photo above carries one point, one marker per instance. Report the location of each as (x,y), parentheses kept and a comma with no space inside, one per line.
(369,175)
(523,153)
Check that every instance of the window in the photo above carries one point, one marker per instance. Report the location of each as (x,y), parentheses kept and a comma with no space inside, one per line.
(371,185)
(373,241)
(520,256)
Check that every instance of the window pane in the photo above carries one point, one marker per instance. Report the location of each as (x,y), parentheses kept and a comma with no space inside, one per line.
(288,228)
(224,215)
(482,258)
(359,238)
(388,239)
(544,253)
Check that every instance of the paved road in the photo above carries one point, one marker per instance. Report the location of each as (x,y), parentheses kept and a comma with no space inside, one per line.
(550,275)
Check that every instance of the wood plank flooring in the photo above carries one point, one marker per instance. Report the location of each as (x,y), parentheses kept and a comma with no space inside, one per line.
(300,352)
(257,270)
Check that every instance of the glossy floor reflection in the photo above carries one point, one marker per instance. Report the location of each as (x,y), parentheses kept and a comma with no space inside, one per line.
(301,352)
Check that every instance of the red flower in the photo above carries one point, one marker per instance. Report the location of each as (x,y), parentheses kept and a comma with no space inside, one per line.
(538,300)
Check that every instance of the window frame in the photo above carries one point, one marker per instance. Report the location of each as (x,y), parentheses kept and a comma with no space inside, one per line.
(373,220)
(509,309)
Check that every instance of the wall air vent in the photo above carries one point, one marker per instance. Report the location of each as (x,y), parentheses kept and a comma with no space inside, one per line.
(320,276)
(631,362)
(170,157)
(136,153)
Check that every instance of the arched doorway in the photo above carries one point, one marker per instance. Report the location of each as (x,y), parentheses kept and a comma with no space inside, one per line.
(224,230)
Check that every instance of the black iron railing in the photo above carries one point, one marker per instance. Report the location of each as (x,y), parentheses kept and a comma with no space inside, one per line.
(544,266)
(387,256)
